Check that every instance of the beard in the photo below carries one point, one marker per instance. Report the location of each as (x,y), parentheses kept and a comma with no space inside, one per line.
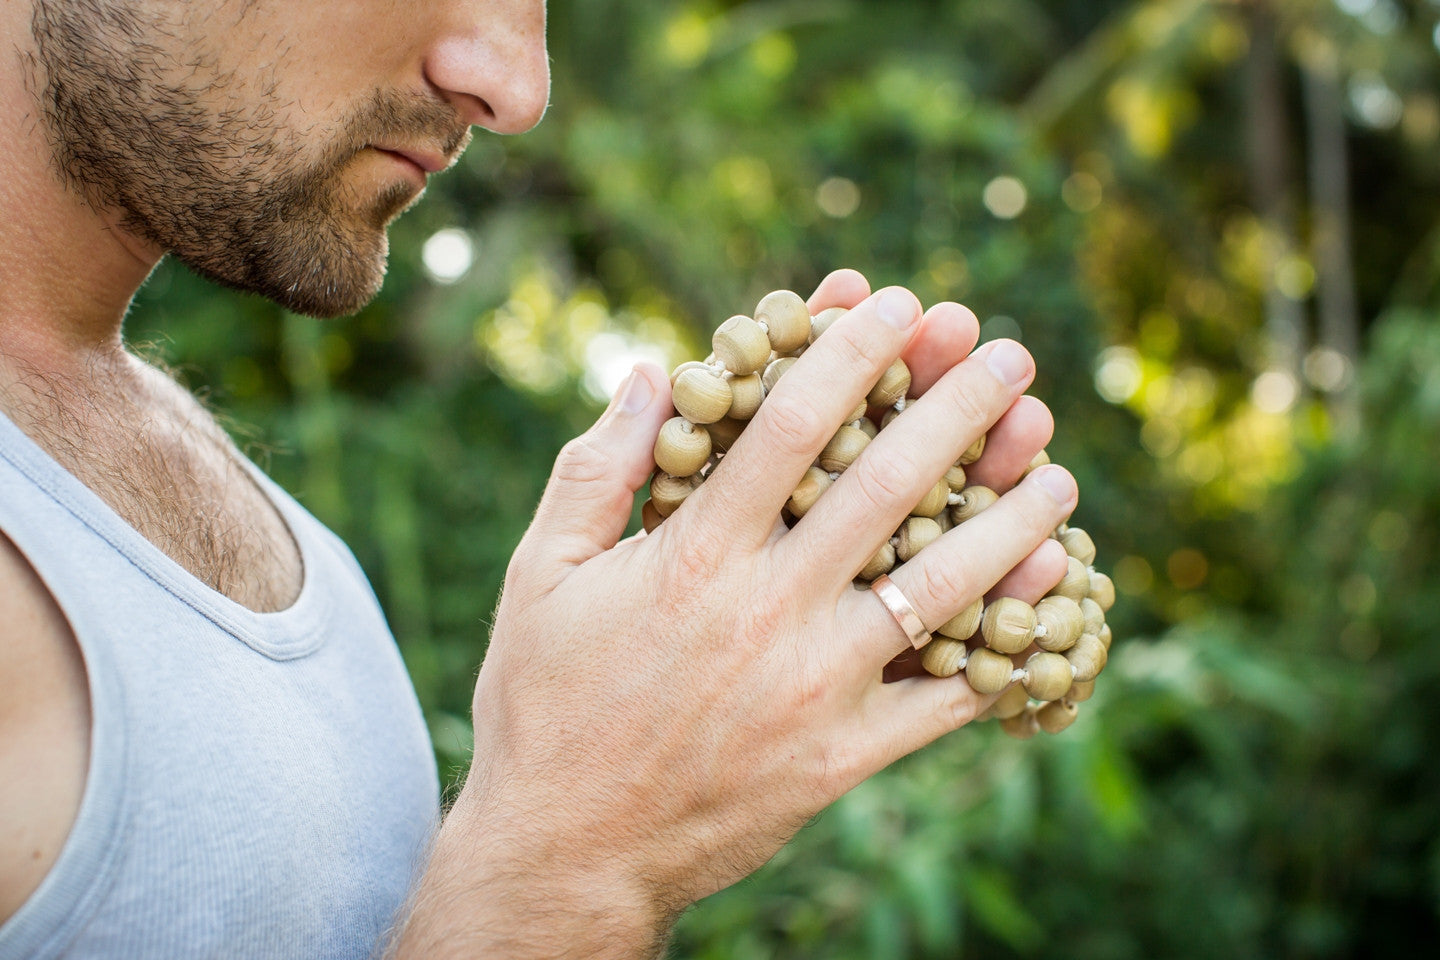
(198,161)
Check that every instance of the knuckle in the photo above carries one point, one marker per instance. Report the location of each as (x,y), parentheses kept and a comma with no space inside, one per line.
(961,708)
(949,586)
(851,348)
(582,462)
(879,485)
(972,404)
(699,556)
(793,423)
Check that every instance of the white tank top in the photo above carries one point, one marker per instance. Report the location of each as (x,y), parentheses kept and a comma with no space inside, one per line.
(261,785)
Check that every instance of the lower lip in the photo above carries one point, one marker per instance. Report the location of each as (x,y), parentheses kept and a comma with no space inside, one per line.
(405,161)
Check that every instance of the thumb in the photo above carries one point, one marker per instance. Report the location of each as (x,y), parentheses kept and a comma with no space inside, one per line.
(588,501)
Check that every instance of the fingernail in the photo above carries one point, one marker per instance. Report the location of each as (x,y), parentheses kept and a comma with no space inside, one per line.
(636,393)
(1007,361)
(1057,482)
(896,308)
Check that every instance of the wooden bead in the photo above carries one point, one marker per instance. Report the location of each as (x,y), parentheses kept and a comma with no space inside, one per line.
(812,485)
(701,396)
(865,426)
(1056,716)
(915,535)
(963,625)
(890,416)
(650,517)
(1063,622)
(972,453)
(1094,616)
(741,345)
(1088,657)
(1008,625)
(973,500)
(882,561)
(858,412)
(943,518)
(894,382)
(689,365)
(748,393)
(934,502)
(1023,725)
(1105,636)
(786,319)
(1012,703)
(1102,590)
(955,478)
(682,448)
(668,492)
(1080,691)
(988,671)
(823,321)
(1076,582)
(944,658)
(1078,544)
(1036,462)
(776,369)
(1048,676)
(724,433)
(843,449)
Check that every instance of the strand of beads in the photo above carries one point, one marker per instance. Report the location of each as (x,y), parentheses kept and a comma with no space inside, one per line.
(715,399)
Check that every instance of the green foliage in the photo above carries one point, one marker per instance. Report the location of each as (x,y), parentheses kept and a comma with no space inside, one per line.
(1252,778)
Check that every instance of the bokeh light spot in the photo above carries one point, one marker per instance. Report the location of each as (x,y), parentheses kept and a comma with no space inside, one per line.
(1118,374)
(838,197)
(1005,197)
(1274,391)
(1327,369)
(1133,575)
(1081,192)
(448,255)
(1187,568)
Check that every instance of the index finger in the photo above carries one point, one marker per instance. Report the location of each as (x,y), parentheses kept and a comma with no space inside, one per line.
(801,414)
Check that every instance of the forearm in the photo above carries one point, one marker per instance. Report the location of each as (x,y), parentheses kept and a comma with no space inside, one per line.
(496,887)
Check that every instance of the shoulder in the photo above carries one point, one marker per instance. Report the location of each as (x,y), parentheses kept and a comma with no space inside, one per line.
(44,729)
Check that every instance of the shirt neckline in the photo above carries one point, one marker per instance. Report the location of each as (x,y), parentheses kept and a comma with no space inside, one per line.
(294,632)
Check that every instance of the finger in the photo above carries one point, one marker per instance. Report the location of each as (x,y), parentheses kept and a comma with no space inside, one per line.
(1032,578)
(750,486)
(948,332)
(965,563)
(1012,443)
(903,463)
(590,495)
(842,288)
(909,713)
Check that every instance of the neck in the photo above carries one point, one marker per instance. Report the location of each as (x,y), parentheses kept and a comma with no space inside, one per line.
(67,270)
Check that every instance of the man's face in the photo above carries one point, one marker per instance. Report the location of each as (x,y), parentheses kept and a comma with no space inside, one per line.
(268,143)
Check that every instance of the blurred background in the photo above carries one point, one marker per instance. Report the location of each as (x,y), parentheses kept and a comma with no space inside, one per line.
(1216,225)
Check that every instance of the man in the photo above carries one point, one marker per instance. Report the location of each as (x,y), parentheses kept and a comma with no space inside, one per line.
(207,743)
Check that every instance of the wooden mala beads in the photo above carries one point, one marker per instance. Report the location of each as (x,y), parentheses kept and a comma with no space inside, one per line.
(1061,643)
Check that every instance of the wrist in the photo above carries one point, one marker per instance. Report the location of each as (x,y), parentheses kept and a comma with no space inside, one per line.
(505,882)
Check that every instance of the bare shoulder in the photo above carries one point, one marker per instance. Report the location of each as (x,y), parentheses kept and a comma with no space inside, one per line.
(44,729)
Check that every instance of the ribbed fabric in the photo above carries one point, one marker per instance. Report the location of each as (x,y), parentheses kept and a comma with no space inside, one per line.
(261,785)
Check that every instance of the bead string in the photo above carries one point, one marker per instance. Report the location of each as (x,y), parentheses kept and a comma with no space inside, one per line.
(1072,638)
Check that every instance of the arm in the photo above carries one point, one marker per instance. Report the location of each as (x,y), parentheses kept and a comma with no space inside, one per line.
(656,717)
(44,730)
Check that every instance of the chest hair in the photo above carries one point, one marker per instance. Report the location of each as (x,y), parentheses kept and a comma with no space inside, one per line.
(149,449)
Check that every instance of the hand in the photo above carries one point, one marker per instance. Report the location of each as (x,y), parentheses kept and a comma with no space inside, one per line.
(657,716)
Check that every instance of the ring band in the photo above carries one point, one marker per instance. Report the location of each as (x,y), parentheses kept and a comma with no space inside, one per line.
(901,610)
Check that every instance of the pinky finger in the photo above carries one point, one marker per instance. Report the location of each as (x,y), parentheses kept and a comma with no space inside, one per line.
(909,714)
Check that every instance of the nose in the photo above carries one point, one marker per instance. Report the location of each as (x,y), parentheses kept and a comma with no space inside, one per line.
(490,62)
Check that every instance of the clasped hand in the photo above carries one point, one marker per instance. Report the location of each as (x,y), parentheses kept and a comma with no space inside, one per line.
(666,711)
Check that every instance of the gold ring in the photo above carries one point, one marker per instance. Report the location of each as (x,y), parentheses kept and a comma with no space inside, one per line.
(901,610)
